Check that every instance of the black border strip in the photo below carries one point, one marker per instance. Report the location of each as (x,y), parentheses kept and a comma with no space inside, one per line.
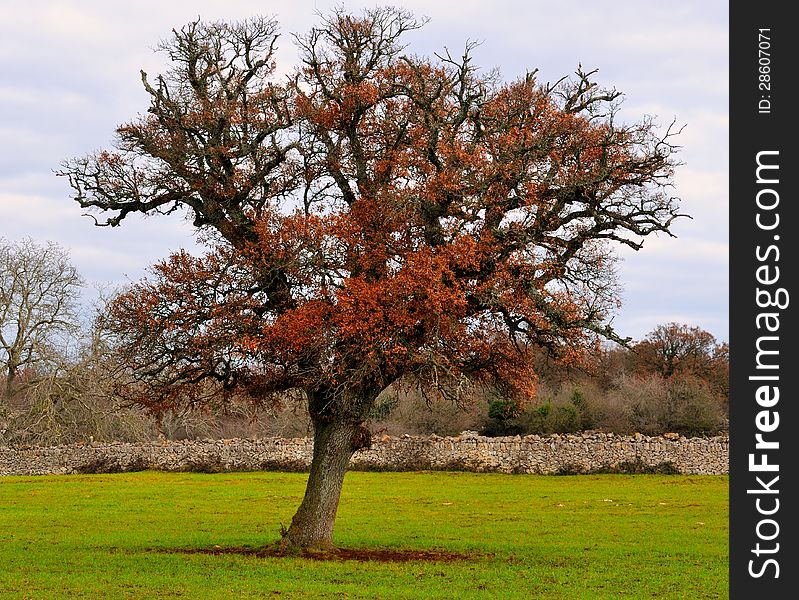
(764,562)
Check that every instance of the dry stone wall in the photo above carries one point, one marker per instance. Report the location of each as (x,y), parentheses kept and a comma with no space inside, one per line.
(579,453)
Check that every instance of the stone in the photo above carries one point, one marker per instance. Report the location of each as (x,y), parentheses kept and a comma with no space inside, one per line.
(470,451)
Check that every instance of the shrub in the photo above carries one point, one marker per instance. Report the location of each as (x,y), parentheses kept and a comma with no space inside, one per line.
(383,407)
(564,410)
(652,405)
(414,414)
(635,404)
(503,409)
(502,428)
(694,410)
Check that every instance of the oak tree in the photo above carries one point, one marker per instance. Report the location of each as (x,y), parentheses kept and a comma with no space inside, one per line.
(677,349)
(375,218)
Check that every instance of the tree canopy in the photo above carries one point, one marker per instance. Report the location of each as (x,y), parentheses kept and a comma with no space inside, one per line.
(374,218)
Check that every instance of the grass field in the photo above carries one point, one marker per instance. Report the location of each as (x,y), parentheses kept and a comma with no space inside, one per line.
(524,536)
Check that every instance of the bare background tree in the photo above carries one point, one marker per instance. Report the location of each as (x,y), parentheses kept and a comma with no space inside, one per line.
(39,290)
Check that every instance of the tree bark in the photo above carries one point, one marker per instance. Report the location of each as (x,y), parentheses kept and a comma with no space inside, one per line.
(11,376)
(334,444)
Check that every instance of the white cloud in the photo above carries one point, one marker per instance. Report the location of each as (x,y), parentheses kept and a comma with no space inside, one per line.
(27,213)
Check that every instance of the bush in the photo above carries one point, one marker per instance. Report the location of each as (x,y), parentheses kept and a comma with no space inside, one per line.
(414,414)
(636,404)
(653,405)
(502,428)
(565,410)
(384,406)
(503,410)
(503,419)
(694,410)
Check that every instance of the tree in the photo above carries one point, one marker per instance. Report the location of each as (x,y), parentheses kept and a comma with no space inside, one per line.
(375,218)
(679,349)
(39,290)
(675,346)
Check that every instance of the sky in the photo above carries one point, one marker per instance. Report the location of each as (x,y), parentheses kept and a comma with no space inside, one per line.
(69,75)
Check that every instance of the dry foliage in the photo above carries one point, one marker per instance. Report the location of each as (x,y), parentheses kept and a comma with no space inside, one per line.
(375,219)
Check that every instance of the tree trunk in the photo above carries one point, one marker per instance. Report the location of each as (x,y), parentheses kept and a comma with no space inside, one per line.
(334,444)
(11,377)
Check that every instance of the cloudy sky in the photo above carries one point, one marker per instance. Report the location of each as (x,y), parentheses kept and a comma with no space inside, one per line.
(69,74)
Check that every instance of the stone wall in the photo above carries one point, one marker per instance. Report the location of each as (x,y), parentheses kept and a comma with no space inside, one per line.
(580,453)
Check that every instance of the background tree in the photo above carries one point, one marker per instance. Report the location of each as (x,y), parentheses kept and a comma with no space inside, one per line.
(375,219)
(39,291)
(680,350)
(677,348)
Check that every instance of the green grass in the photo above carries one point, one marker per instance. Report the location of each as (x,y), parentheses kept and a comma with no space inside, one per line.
(604,536)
